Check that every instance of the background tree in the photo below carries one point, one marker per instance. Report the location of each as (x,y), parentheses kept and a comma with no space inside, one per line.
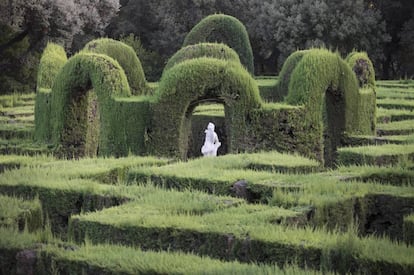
(276,27)
(26,26)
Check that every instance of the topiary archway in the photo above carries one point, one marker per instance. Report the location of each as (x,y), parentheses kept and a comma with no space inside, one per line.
(126,57)
(325,84)
(82,105)
(224,29)
(187,84)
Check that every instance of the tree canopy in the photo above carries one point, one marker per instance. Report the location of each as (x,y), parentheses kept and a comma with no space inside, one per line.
(27,25)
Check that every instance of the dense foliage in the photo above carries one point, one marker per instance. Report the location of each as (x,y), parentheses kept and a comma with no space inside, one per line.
(276,28)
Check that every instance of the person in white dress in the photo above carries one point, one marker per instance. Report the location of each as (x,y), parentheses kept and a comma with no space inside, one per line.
(211,142)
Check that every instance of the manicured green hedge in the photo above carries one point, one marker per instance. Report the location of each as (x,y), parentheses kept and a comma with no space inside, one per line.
(24,253)
(186,85)
(52,60)
(126,57)
(408,229)
(213,50)
(43,130)
(280,127)
(74,107)
(16,213)
(383,155)
(286,72)
(224,29)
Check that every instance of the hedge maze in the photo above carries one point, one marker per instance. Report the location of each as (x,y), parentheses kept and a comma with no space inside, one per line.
(100,171)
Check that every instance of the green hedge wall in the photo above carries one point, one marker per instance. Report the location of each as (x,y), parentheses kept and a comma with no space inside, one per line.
(280,127)
(70,112)
(225,29)
(214,50)
(190,83)
(126,57)
(43,131)
(52,60)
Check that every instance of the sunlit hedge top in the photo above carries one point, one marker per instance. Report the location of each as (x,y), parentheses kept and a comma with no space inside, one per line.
(52,60)
(225,29)
(126,57)
(363,68)
(214,50)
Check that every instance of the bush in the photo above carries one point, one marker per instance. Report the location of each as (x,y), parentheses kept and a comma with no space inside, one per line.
(224,29)
(126,57)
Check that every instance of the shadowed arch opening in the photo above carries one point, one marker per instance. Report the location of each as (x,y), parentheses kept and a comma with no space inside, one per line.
(185,86)
(198,115)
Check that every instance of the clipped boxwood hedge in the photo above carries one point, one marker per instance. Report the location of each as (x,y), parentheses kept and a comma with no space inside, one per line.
(214,50)
(126,57)
(52,60)
(225,29)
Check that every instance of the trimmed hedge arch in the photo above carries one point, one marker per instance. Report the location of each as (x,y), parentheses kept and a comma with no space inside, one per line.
(126,57)
(213,50)
(87,82)
(191,82)
(325,84)
(52,60)
(224,29)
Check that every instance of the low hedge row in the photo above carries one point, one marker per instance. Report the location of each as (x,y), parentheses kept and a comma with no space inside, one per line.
(29,256)
(383,155)
(19,214)
(217,235)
